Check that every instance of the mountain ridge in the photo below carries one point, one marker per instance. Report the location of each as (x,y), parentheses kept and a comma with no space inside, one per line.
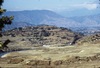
(38,17)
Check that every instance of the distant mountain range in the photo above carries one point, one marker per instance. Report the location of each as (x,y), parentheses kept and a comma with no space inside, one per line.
(88,21)
(79,12)
(38,17)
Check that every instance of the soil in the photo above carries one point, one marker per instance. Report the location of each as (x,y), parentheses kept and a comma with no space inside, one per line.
(85,56)
(49,47)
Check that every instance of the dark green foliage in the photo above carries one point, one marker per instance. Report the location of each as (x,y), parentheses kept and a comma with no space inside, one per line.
(1,10)
(1,1)
(4,19)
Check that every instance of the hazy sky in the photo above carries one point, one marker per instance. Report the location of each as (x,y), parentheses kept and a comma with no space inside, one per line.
(55,5)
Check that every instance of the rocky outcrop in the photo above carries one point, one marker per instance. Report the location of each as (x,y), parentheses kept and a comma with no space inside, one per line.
(92,39)
(74,59)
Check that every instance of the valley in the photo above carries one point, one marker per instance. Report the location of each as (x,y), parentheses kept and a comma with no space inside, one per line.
(49,33)
(45,39)
(83,24)
(62,48)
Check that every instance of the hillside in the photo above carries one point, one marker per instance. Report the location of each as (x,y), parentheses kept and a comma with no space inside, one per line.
(49,56)
(42,35)
(90,39)
(49,47)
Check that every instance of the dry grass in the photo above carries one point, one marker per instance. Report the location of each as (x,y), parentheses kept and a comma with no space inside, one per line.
(55,54)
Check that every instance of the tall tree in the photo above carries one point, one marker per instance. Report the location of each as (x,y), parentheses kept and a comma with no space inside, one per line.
(4,20)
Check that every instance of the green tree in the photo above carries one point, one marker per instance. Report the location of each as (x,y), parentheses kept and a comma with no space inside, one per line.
(4,20)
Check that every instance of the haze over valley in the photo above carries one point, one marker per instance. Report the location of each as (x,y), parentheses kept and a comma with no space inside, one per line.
(47,17)
(50,34)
